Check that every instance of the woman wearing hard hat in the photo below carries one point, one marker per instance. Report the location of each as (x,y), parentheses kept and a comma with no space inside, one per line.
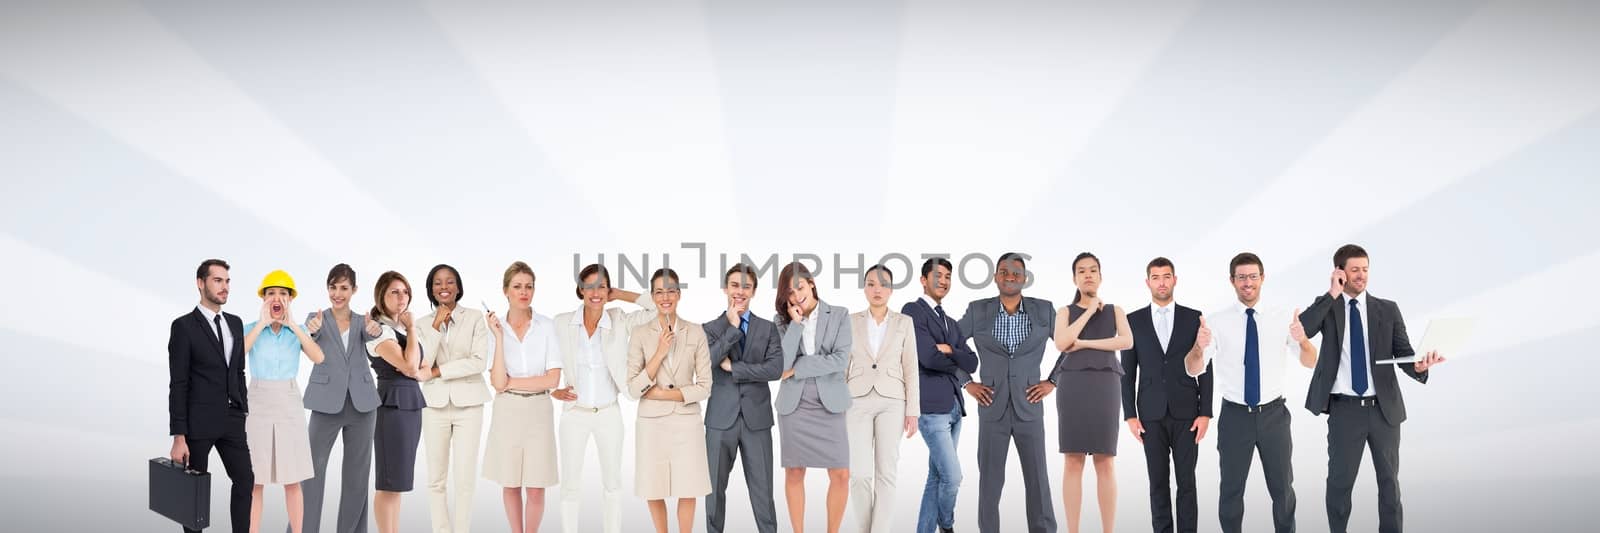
(280,447)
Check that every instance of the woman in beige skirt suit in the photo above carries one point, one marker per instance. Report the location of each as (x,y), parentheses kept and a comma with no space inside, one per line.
(521,455)
(669,372)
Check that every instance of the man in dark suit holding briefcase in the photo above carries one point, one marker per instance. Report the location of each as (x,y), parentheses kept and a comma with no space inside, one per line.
(206,400)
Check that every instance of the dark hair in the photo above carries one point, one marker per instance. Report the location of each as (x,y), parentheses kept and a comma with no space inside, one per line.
(746,269)
(205,267)
(341,271)
(1346,253)
(1159,262)
(517,267)
(787,278)
(880,267)
(1011,256)
(931,263)
(384,281)
(1078,294)
(1245,258)
(461,288)
(663,273)
(591,270)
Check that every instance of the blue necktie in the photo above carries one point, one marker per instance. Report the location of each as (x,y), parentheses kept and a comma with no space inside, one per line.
(1252,360)
(1358,351)
(744,328)
(943,324)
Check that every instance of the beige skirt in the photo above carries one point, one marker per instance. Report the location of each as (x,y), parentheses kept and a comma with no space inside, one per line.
(670,458)
(280,447)
(522,442)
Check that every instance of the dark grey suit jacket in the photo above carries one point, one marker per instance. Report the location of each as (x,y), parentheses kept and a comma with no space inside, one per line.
(1386,338)
(744,390)
(1011,374)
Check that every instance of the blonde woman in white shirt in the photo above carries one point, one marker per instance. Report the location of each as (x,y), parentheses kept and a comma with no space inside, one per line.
(885,401)
(521,455)
(594,349)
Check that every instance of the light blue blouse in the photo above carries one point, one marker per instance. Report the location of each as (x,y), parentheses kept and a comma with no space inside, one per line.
(276,355)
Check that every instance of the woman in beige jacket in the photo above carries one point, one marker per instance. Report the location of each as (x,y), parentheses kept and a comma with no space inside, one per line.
(669,372)
(884,403)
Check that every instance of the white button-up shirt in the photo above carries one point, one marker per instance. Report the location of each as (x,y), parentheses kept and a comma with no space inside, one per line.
(227,332)
(1226,352)
(535,353)
(596,388)
(1341,381)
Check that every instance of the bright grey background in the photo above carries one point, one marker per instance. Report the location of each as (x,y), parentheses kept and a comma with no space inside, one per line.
(1456,140)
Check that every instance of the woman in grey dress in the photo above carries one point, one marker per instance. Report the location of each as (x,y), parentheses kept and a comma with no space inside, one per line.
(812,395)
(1089,332)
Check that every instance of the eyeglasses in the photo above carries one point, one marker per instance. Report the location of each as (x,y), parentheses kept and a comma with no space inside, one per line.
(1247,277)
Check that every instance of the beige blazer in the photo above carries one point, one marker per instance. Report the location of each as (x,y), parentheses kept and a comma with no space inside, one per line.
(613,343)
(461,351)
(894,372)
(687,368)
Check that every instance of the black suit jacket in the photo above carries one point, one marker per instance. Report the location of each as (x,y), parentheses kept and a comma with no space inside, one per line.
(940,376)
(1386,338)
(744,390)
(205,388)
(1154,381)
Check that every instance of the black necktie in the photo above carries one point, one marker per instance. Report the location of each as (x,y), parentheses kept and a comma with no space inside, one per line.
(943,322)
(221,346)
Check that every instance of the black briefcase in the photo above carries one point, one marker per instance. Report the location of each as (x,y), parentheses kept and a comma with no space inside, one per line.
(180,494)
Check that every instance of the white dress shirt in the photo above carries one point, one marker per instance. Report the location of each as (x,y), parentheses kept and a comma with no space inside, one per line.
(1341,381)
(535,353)
(875,333)
(596,389)
(227,332)
(933,308)
(808,331)
(1161,318)
(1226,352)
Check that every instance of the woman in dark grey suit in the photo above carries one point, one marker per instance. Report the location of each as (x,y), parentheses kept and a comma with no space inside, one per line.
(1089,333)
(812,395)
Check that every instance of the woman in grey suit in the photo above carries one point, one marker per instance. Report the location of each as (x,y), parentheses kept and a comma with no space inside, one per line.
(342,400)
(812,396)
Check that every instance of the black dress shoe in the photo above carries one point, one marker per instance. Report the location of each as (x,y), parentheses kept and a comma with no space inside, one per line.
(947,530)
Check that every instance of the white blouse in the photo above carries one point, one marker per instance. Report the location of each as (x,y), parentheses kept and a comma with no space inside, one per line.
(535,353)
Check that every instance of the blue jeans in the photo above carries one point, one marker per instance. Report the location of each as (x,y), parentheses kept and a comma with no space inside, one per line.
(941,432)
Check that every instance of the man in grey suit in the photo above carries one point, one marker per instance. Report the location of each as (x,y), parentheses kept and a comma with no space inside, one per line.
(1361,398)
(1011,334)
(342,398)
(745,355)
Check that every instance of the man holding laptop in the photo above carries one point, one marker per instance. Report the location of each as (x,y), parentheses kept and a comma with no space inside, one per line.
(1361,398)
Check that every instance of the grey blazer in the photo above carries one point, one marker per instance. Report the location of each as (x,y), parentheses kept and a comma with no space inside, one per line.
(341,371)
(744,390)
(826,367)
(1010,374)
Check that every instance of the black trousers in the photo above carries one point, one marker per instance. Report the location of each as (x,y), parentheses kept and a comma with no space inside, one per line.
(1354,426)
(1170,440)
(235,455)
(1242,433)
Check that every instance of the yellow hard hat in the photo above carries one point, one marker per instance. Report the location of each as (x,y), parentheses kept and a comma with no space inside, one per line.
(277,278)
